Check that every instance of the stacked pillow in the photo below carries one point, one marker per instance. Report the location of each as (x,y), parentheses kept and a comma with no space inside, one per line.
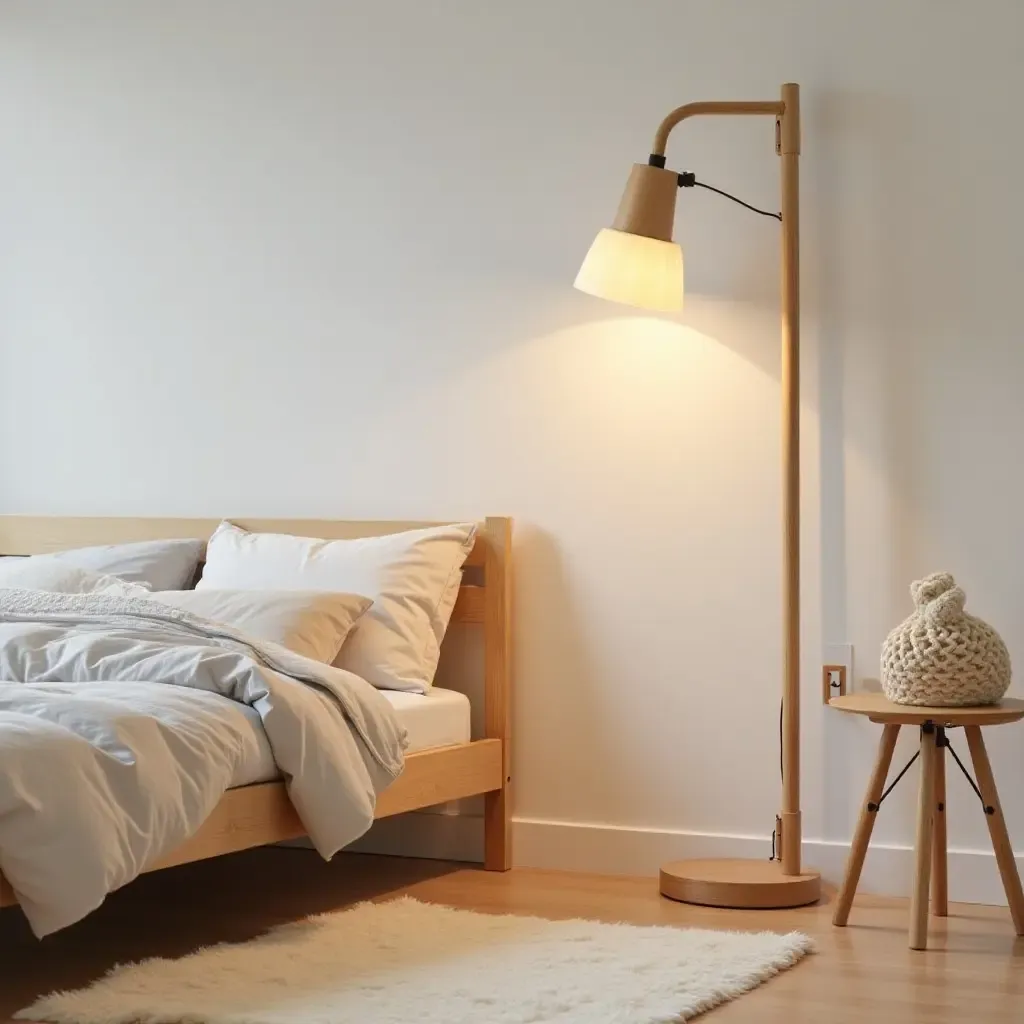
(376,606)
(312,624)
(413,578)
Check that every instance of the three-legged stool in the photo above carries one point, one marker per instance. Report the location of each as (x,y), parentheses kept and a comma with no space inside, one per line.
(930,846)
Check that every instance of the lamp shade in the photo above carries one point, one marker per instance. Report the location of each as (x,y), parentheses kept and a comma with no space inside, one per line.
(635,261)
(635,270)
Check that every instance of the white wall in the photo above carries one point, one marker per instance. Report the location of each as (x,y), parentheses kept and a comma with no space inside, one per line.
(316,258)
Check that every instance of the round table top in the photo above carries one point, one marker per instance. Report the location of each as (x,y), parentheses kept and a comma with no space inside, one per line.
(879,709)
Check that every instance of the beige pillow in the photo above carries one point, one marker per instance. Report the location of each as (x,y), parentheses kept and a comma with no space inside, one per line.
(413,578)
(311,623)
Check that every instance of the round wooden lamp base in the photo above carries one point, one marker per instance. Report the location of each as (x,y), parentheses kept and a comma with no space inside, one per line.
(741,884)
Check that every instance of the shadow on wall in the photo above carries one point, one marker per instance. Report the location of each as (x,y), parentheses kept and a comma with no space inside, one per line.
(872,230)
(870,288)
(561,720)
(824,118)
(565,712)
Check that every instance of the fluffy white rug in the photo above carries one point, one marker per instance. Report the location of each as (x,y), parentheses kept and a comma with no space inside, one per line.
(403,962)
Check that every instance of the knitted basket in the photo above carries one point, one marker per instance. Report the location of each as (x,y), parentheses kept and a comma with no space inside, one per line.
(941,656)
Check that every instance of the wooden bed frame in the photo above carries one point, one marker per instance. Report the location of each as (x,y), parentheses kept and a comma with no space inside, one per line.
(262,813)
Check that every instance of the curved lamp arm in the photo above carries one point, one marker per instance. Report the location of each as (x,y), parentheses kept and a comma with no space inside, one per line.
(774,107)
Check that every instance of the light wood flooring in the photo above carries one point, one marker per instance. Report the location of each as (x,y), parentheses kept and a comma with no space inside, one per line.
(864,973)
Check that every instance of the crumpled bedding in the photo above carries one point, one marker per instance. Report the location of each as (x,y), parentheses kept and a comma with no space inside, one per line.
(113,746)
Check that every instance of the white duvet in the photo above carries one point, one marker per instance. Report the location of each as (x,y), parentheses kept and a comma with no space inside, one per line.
(115,745)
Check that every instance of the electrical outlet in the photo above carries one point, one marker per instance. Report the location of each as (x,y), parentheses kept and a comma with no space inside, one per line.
(833,682)
(837,672)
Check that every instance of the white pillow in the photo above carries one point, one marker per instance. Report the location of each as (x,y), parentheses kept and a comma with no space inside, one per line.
(44,574)
(413,578)
(313,624)
(158,564)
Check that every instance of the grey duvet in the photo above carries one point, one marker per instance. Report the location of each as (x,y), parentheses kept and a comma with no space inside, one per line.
(116,741)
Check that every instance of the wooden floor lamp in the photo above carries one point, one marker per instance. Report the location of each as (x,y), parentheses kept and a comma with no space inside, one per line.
(636,262)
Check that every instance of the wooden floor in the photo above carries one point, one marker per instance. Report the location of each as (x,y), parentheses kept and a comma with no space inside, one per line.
(864,973)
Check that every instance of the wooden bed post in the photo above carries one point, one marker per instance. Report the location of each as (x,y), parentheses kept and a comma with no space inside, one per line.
(497,687)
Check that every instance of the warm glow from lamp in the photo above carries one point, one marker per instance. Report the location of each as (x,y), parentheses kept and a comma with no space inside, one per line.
(635,270)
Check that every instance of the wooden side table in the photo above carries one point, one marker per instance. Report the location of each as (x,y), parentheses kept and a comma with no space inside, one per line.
(930,846)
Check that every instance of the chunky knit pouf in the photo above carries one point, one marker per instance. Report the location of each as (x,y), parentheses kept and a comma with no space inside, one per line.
(941,656)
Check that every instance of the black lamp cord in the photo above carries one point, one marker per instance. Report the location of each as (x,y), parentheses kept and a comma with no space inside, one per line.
(688,180)
(776,853)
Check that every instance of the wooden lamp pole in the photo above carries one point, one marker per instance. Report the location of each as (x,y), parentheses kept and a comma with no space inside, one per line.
(642,231)
(788,148)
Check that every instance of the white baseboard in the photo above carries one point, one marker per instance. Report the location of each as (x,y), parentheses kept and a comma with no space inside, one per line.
(613,850)
(616,850)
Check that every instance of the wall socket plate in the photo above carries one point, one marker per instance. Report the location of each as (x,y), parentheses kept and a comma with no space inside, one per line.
(837,671)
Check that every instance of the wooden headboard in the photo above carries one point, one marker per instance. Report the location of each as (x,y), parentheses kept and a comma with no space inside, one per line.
(37,535)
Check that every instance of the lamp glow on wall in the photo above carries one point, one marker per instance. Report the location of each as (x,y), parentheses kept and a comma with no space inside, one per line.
(636,262)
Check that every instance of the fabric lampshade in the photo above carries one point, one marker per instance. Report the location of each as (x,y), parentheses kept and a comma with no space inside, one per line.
(635,261)
(635,270)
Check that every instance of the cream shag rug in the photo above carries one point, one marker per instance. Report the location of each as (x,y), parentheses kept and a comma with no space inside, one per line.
(403,962)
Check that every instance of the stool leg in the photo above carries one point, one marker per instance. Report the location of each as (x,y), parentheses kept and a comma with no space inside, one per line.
(865,824)
(940,878)
(923,846)
(997,826)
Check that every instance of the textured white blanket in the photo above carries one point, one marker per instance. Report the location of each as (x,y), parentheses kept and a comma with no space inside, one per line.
(112,751)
